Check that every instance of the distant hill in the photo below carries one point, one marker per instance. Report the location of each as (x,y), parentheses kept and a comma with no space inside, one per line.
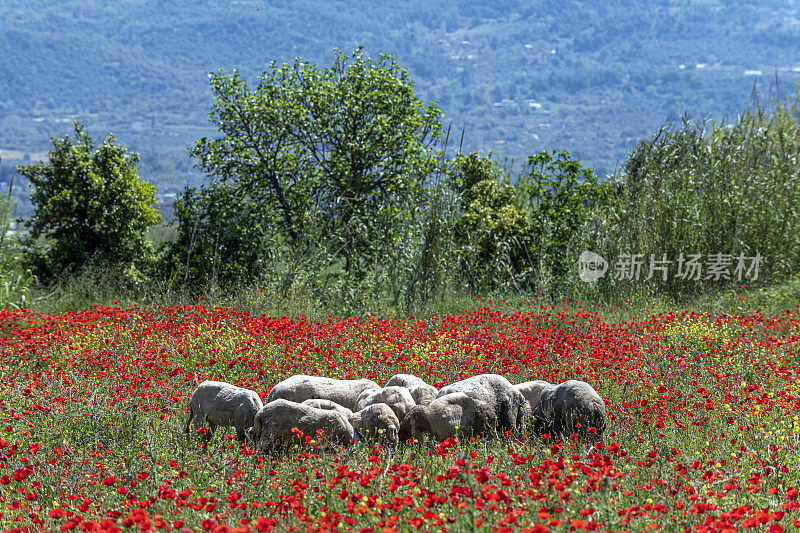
(589,77)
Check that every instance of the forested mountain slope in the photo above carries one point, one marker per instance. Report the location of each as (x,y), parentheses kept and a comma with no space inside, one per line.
(589,77)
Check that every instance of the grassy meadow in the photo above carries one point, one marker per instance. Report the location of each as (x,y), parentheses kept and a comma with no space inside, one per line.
(703,430)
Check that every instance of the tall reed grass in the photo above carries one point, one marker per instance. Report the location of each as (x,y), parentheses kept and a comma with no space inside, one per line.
(708,188)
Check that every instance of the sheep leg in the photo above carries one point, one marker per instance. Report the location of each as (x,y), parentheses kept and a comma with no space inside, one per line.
(571,418)
(211,428)
(240,432)
(198,422)
(521,416)
(544,420)
(199,419)
(507,418)
(188,420)
(239,423)
(539,426)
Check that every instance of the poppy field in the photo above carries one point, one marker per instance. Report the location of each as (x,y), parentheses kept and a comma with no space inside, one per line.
(703,423)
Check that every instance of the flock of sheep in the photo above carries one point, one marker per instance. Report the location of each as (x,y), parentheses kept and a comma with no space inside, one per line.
(337,411)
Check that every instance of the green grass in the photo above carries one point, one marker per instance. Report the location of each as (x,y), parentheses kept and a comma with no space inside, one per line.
(140,442)
(101,288)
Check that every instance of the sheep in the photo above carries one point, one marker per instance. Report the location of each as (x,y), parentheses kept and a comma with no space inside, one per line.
(532,391)
(274,422)
(398,398)
(450,415)
(561,407)
(376,422)
(222,404)
(299,388)
(422,393)
(508,403)
(327,404)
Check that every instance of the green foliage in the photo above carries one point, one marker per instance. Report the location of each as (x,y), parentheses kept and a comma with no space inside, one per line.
(338,147)
(708,189)
(220,240)
(523,234)
(334,158)
(90,205)
(15,283)
(426,256)
(492,231)
(16,289)
(343,235)
(560,196)
(767,300)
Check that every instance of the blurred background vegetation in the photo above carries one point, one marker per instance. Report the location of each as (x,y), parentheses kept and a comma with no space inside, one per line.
(621,128)
(520,77)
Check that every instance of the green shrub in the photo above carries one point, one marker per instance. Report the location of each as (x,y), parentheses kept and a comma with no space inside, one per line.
(221,239)
(560,197)
(89,205)
(491,231)
(523,235)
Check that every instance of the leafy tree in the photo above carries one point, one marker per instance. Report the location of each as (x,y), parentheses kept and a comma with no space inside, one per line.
(522,233)
(347,146)
(89,205)
(559,195)
(220,239)
(491,225)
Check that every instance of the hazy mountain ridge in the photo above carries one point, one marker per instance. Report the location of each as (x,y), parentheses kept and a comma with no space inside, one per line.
(520,77)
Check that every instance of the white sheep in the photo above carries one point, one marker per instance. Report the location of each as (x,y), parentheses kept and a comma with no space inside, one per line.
(450,415)
(398,398)
(274,422)
(376,422)
(299,388)
(562,407)
(327,404)
(507,402)
(532,391)
(222,404)
(422,393)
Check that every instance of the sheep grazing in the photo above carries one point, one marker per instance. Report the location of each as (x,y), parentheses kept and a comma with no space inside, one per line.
(422,393)
(507,402)
(450,415)
(376,422)
(222,404)
(562,407)
(327,404)
(398,398)
(299,388)
(274,422)
(532,391)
